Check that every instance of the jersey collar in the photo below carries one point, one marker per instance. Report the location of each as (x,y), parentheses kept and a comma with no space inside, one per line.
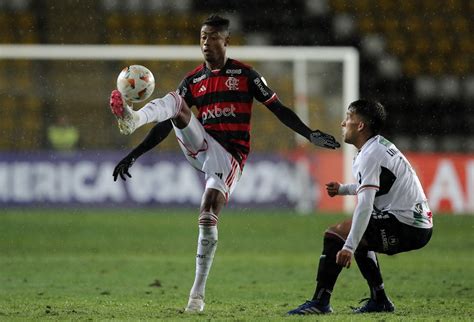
(218,71)
(369,142)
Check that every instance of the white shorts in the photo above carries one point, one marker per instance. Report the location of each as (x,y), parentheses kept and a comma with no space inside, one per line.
(222,171)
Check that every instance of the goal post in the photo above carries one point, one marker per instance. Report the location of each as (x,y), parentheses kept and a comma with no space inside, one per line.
(300,59)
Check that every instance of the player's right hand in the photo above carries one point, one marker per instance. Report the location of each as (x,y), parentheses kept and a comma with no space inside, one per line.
(332,188)
(344,258)
(121,169)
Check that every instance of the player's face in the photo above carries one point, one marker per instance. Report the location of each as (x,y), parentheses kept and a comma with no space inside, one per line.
(213,45)
(351,127)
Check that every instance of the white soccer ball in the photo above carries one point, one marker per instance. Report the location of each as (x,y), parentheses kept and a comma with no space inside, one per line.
(136,83)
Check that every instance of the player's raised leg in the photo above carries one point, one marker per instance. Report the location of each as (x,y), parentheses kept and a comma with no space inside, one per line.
(157,110)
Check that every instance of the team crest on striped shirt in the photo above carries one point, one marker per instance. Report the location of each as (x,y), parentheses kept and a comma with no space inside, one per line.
(232,83)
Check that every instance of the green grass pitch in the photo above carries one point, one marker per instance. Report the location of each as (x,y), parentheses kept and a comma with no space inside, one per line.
(139,265)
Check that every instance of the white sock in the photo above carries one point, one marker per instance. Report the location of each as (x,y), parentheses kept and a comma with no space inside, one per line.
(160,109)
(207,245)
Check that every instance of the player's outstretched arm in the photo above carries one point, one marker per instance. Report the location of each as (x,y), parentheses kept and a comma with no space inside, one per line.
(157,134)
(290,119)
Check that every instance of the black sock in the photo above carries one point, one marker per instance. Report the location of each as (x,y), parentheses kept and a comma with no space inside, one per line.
(378,293)
(328,270)
(370,269)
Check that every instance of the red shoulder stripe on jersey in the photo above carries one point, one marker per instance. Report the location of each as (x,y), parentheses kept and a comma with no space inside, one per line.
(195,70)
(240,64)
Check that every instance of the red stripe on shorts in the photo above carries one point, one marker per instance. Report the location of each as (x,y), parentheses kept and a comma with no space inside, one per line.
(233,171)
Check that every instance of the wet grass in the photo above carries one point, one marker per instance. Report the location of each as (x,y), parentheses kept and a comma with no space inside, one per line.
(139,265)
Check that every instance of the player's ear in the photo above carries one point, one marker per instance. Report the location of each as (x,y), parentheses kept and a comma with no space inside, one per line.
(227,40)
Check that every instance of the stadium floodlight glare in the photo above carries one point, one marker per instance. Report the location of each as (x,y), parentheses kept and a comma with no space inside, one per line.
(299,56)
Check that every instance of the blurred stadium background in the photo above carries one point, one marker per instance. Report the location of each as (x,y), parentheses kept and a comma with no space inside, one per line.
(416,57)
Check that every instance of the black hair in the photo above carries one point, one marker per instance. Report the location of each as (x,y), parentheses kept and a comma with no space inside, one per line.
(218,22)
(372,112)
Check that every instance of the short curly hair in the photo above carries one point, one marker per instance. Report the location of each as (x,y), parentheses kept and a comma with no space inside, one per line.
(372,112)
(218,22)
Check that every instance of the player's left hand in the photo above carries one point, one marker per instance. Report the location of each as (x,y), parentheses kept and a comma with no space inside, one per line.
(324,140)
(344,258)
(121,169)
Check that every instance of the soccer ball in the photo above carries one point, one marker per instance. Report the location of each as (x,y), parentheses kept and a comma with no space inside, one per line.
(136,83)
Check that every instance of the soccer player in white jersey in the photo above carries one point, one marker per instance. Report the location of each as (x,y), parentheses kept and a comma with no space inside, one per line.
(392,214)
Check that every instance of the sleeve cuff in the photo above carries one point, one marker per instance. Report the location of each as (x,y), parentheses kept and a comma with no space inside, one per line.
(347,189)
(348,248)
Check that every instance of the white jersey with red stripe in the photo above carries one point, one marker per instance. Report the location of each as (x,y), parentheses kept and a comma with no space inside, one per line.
(381,166)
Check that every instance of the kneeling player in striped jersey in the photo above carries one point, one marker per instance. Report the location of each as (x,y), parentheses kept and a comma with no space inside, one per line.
(217,141)
(392,213)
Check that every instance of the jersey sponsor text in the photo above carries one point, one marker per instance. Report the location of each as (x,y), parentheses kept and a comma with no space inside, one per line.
(218,112)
